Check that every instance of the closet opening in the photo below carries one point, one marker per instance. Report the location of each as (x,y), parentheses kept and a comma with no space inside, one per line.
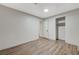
(60,28)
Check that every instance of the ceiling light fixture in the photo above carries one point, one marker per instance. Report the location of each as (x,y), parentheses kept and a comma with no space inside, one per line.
(46,10)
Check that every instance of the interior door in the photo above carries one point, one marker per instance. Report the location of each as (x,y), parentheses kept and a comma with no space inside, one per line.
(45,28)
(41,28)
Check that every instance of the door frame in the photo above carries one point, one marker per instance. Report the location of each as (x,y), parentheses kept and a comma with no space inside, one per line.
(59,24)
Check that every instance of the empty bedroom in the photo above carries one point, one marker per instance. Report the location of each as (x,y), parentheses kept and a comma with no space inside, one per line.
(39,28)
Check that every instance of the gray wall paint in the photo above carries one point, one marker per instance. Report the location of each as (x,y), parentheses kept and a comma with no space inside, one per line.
(71,29)
(51,34)
(17,27)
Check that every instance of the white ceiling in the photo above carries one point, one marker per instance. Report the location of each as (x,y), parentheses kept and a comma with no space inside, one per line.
(37,9)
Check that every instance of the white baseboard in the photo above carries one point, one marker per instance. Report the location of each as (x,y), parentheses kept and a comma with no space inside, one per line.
(73,42)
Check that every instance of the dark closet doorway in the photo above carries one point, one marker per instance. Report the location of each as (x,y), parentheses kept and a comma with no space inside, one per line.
(60,28)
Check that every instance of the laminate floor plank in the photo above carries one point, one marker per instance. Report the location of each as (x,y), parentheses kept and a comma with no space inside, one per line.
(42,46)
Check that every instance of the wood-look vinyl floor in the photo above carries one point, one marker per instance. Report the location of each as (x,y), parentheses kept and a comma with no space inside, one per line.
(42,47)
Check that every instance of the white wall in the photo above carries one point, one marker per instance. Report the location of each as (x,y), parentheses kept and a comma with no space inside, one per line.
(71,29)
(17,27)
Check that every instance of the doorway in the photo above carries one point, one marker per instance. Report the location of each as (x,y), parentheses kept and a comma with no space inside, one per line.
(60,28)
